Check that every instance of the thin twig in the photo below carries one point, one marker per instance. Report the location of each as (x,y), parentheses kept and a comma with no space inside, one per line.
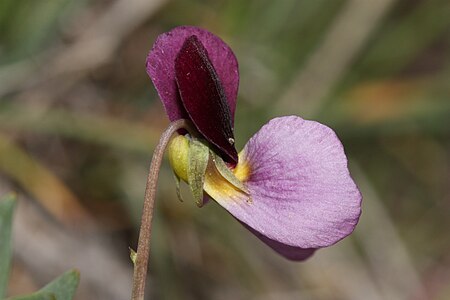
(143,250)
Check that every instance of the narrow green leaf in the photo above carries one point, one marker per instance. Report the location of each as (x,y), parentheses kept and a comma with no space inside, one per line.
(64,286)
(198,157)
(177,186)
(7,204)
(228,174)
(36,296)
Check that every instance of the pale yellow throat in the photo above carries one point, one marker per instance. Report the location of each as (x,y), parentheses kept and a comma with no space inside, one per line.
(220,184)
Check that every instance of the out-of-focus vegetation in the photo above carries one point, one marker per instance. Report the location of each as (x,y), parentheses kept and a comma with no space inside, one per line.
(61,288)
(79,118)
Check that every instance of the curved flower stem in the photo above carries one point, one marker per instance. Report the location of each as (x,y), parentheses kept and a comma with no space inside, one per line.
(143,249)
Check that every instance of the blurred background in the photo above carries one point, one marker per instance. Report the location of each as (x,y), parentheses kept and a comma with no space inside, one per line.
(79,119)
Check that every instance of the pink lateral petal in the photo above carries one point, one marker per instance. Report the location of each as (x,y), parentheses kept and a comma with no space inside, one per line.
(303,196)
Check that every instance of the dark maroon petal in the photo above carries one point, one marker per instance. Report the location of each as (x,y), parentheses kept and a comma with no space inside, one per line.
(203,97)
(161,67)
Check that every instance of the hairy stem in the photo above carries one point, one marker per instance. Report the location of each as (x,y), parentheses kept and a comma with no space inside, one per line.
(143,249)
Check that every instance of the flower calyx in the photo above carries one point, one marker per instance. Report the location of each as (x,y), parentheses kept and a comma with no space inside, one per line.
(194,162)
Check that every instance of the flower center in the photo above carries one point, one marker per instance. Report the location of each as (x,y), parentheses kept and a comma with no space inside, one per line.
(218,180)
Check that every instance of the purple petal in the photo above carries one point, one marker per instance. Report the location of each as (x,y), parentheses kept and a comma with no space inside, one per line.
(203,97)
(161,67)
(303,196)
(290,252)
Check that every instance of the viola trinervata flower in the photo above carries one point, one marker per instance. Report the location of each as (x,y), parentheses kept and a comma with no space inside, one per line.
(290,185)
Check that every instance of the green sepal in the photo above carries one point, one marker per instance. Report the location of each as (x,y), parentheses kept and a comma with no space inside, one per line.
(198,157)
(228,174)
(177,186)
(202,201)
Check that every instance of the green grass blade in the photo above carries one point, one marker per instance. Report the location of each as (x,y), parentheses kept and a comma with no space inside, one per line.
(6,212)
(36,296)
(64,287)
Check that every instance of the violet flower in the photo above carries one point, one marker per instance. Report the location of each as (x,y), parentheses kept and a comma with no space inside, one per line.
(290,185)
